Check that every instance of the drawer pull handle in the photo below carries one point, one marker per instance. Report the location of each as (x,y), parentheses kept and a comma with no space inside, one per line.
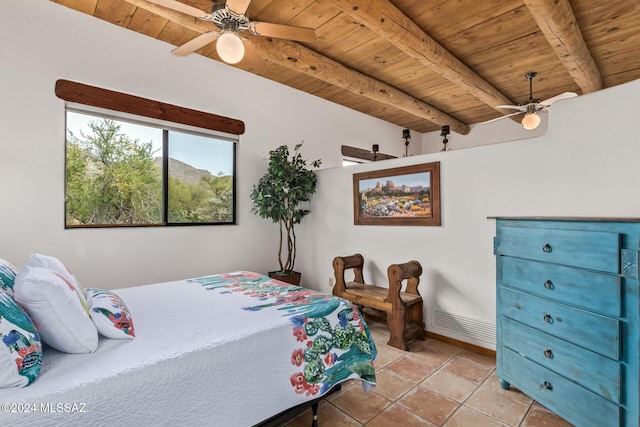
(546,248)
(548,284)
(548,353)
(547,318)
(547,385)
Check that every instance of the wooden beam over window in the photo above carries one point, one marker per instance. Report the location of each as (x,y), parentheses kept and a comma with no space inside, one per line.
(117,101)
(558,24)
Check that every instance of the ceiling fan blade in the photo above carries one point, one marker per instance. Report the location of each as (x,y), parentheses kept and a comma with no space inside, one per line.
(513,107)
(565,95)
(253,58)
(278,31)
(181,7)
(238,6)
(360,153)
(502,117)
(196,43)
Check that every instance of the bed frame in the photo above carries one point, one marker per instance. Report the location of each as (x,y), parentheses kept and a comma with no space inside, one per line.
(291,413)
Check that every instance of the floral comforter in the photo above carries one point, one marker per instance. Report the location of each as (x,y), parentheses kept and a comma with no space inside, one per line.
(333,342)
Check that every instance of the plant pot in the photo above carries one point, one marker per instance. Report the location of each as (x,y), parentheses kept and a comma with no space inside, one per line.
(292,277)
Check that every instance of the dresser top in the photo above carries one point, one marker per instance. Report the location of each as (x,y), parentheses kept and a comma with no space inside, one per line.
(566,218)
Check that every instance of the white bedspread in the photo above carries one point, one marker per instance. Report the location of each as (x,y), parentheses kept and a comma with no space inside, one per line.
(209,351)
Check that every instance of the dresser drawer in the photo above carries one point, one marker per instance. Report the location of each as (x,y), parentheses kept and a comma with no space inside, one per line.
(579,405)
(595,250)
(585,288)
(598,333)
(593,371)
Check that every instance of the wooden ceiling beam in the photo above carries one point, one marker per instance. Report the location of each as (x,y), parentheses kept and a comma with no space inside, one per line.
(557,22)
(299,58)
(391,23)
(177,17)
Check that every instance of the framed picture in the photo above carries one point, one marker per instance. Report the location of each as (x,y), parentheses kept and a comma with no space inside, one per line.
(408,195)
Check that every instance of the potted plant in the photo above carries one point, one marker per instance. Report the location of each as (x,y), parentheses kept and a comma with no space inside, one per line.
(278,195)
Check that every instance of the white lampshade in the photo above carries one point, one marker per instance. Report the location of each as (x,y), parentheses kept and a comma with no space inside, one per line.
(530,121)
(230,47)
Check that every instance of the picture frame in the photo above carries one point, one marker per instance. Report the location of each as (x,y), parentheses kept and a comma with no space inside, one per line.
(408,195)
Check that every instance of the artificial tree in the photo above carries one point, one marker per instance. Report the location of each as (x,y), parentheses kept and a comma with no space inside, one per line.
(288,183)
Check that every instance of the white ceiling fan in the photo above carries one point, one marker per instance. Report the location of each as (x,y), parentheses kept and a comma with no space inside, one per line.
(531,120)
(231,19)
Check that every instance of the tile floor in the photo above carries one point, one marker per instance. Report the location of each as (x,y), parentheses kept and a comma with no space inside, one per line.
(435,384)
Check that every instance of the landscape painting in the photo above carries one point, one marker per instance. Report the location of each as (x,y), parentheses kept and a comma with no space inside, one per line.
(407,195)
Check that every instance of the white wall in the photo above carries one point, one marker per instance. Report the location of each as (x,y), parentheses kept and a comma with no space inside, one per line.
(44,42)
(585,165)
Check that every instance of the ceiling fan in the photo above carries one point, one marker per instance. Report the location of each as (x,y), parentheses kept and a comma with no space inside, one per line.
(231,19)
(531,120)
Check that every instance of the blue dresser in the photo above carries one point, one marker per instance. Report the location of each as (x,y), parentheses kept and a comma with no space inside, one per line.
(567,315)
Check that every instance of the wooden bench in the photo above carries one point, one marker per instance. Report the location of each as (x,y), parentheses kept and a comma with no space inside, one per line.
(402,309)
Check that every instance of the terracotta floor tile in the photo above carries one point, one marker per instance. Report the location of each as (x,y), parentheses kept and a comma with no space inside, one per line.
(539,416)
(358,404)
(499,406)
(396,415)
(439,346)
(378,329)
(328,415)
(392,385)
(449,385)
(429,405)
(386,355)
(493,384)
(379,336)
(483,359)
(410,369)
(467,417)
(349,383)
(467,369)
(428,356)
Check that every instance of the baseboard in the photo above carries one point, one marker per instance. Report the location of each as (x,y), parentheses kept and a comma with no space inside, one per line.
(465,345)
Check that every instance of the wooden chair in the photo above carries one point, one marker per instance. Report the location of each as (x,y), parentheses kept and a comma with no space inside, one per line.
(402,309)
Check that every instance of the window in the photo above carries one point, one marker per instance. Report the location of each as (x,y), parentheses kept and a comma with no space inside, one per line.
(200,179)
(123,171)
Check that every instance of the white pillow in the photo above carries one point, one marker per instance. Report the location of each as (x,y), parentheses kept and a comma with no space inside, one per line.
(57,266)
(52,303)
(110,314)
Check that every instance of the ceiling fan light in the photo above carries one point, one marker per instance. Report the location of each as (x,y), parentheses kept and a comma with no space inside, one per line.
(230,47)
(530,121)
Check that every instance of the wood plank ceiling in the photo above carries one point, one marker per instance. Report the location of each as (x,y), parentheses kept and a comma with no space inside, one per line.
(421,64)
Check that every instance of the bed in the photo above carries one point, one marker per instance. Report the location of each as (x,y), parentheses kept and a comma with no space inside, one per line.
(230,349)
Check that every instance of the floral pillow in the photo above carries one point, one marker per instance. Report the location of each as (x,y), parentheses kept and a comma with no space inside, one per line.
(7,276)
(110,314)
(21,349)
(51,301)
